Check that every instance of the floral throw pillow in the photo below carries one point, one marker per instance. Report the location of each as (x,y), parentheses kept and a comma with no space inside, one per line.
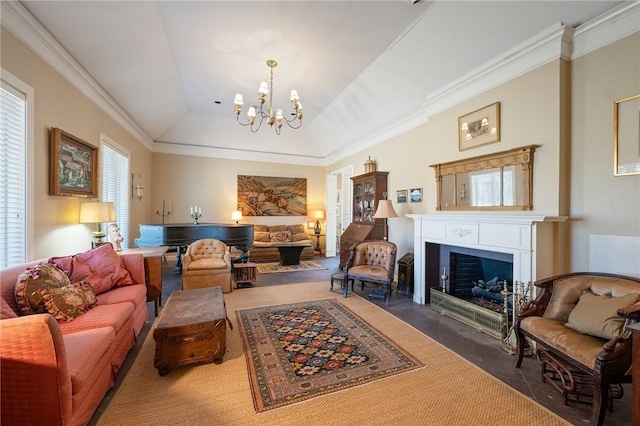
(67,303)
(33,283)
(280,237)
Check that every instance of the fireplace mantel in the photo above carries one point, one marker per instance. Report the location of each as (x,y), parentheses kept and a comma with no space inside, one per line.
(533,240)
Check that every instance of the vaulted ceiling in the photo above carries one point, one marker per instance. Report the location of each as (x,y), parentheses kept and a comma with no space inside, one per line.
(359,66)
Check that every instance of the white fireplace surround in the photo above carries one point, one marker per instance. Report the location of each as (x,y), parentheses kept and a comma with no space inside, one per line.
(531,239)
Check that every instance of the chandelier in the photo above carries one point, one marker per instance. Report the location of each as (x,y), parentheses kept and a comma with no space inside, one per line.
(266,112)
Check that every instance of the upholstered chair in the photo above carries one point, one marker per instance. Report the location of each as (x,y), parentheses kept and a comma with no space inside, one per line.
(372,262)
(207,263)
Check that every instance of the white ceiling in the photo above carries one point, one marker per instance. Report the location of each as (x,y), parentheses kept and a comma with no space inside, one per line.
(359,66)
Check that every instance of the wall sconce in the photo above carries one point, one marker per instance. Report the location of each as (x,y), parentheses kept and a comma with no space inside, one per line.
(236,215)
(137,189)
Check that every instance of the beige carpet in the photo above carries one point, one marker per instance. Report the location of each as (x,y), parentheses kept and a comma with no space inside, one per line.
(450,391)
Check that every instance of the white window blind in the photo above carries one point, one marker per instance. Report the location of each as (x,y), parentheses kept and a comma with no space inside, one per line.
(13,177)
(115,187)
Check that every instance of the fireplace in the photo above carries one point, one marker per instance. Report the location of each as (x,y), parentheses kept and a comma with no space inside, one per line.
(529,243)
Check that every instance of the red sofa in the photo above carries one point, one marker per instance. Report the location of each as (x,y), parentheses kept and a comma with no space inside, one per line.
(57,373)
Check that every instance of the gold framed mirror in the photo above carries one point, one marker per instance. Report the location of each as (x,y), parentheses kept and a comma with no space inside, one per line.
(626,136)
(498,181)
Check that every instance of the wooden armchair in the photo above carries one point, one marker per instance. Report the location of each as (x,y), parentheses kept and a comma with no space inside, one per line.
(578,322)
(207,263)
(372,262)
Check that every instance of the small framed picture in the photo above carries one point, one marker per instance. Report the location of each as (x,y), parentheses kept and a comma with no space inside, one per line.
(402,195)
(416,195)
(311,224)
(479,127)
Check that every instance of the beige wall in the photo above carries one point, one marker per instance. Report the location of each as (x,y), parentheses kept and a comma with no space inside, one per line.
(600,202)
(530,114)
(186,181)
(59,104)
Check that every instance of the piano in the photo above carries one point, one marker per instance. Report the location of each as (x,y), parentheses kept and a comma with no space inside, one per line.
(180,235)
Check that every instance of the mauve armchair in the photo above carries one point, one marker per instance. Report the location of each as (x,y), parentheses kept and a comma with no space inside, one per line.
(207,263)
(373,262)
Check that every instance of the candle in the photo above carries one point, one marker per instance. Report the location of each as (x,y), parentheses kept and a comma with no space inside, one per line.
(199,210)
(191,210)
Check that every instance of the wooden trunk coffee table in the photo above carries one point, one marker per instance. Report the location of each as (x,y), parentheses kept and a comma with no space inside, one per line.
(191,329)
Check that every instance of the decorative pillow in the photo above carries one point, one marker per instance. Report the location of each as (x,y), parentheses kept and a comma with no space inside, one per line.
(299,237)
(277,228)
(260,228)
(100,267)
(32,284)
(280,237)
(597,315)
(296,229)
(263,237)
(5,310)
(66,303)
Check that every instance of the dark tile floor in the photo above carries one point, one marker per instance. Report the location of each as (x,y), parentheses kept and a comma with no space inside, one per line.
(475,346)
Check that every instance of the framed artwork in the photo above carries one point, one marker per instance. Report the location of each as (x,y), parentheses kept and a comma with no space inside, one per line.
(415,194)
(479,127)
(626,136)
(402,195)
(73,166)
(311,224)
(272,196)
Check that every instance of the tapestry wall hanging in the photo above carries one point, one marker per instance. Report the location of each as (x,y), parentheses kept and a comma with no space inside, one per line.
(272,196)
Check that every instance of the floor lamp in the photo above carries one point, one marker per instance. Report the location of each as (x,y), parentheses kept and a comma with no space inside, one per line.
(385,210)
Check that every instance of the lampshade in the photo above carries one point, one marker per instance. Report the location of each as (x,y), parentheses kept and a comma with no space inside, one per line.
(236,215)
(385,210)
(318,214)
(97,212)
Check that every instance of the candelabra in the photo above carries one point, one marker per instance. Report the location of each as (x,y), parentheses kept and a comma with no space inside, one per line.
(444,277)
(164,213)
(196,213)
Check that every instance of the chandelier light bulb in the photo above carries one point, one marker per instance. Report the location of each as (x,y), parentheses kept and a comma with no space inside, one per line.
(264,110)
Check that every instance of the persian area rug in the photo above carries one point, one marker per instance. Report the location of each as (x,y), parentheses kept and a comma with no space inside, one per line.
(300,351)
(305,265)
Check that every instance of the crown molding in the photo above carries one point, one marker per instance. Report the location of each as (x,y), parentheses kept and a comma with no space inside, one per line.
(620,22)
(235,154)
(21,24)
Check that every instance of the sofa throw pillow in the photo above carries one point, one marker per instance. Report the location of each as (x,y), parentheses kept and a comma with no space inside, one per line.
(101,267)
(280,237)
(262,237)
(299,237)
(5,310)
(33,283)
(277,228)
(67,303)
(260,228)
(597,315)
(296,229)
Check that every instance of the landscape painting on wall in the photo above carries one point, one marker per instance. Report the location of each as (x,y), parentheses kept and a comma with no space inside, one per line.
(272,196)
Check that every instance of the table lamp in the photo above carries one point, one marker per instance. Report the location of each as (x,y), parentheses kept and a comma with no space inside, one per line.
(385,210)
(97,213)
(236,215)
(318,214)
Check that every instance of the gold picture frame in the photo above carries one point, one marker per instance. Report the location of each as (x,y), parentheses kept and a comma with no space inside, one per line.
(479,127)
(626,136)
(73,166)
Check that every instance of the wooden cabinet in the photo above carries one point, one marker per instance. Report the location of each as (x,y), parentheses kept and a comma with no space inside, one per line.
(635,402)
(368,189)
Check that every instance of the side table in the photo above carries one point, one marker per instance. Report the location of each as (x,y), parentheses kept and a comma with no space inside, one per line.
(245,274)
(152,272)
(317,247)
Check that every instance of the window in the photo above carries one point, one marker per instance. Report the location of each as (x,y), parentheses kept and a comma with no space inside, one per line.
(115,184)
(16,182)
